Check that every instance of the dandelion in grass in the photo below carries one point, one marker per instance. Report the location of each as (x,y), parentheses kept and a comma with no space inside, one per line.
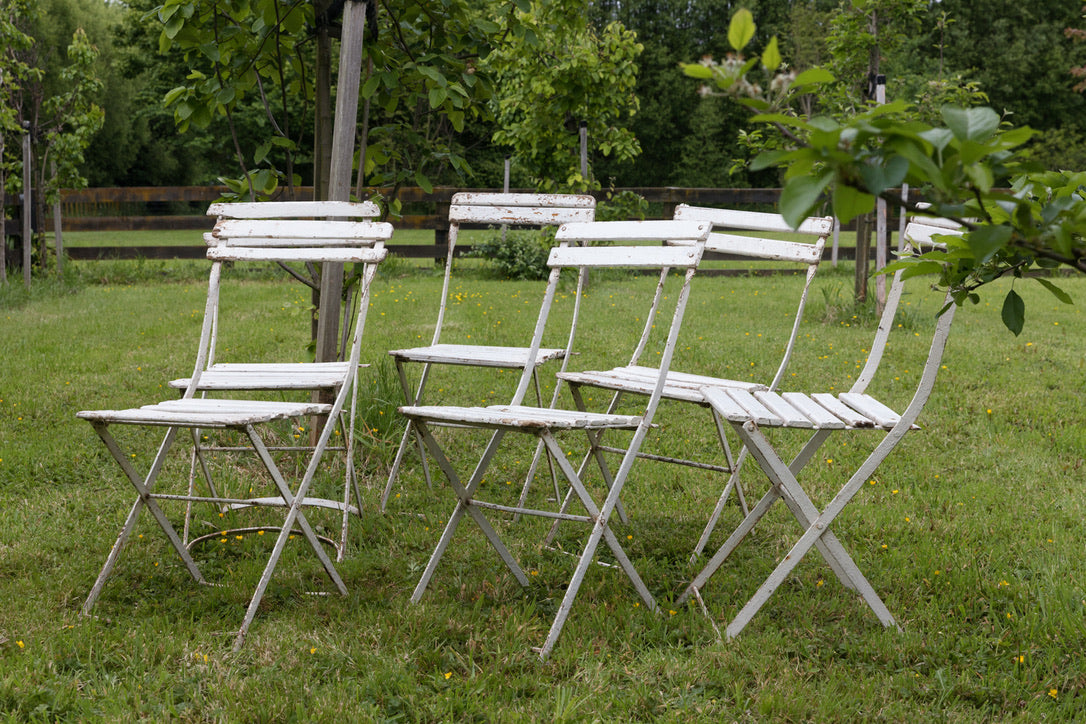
(20,644)
(1054,693)
(1002,584)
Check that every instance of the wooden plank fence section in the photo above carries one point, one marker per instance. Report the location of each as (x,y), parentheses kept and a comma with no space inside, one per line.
(182,208)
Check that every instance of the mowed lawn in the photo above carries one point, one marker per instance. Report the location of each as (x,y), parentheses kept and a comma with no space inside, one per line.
(972,532)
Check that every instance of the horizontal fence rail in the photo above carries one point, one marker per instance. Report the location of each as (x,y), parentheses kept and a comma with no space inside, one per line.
(151,208)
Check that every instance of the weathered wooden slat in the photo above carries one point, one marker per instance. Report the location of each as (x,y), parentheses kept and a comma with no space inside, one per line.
(868,406)
(471,355)
(753,220)
(493,199)
(822,418)
(278,209)
(850,417)
(293,232)
(520,417)
(630,232)
(335,254)
(768,249)
(513,215)
(789,415)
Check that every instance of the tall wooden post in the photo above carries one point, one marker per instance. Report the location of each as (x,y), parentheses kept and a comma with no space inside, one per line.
(339,177)
(881,222)
(28,205)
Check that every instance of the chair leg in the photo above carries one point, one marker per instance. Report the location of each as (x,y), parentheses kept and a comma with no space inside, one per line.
(464,505)
(600,531)
(294,515)
(143,489)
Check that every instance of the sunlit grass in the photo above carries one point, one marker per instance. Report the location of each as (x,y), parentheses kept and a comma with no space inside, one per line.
(972,531)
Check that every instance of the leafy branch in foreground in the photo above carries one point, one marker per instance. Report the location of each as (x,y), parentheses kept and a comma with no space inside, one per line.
(970,169)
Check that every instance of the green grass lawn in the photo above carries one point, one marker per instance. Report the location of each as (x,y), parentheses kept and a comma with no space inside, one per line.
(972,532)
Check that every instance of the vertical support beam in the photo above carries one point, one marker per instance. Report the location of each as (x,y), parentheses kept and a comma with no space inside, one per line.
(584,149)
(339,177)
(28,204)
(57,232)
(882,242)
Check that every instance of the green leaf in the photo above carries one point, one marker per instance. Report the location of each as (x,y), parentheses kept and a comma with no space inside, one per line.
(801,195)
(437,97)
(813,76)
(848,202)
(1056,291)
(174,94)
(741,29)
(985,241)
(878,178)
(971,124)
(771,56)
(1014,312)
(696,70)
(423,182)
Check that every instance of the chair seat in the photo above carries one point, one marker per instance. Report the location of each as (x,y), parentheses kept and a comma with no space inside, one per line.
(206,413)
(520,417)
(273,376)
(818,411)
(475,355)
(641,380)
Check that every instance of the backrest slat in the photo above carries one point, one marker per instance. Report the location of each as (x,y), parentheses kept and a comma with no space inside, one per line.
(512,215)
(634,257)
(769,249)
(628,232)
(366,255)
(280,209)
(573,201)
(296,232)
(753,220)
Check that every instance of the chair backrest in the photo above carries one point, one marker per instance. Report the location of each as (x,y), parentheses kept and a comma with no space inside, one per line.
(534,210)
(816,228)
(626,248)
(291,232)
(919,233)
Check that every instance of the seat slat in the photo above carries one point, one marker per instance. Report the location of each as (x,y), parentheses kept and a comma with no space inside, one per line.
(206,413)
(753,220)
(753,408)
(868,406)
(850,417)
(519,417)
(724,404)
(822,417)
(476,355)
(791,416)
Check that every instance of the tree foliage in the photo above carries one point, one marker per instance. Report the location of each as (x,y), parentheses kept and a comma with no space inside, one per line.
(554,72)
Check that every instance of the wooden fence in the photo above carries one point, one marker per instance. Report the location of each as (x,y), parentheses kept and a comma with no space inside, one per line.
(159,208)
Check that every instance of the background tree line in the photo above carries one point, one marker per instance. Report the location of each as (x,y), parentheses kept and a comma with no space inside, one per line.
(447,85)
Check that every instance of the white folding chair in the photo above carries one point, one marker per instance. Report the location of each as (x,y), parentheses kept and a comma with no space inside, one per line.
(250,224)
(265,240)
(548,423)
(522,210)
(634,378)
(822,413)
